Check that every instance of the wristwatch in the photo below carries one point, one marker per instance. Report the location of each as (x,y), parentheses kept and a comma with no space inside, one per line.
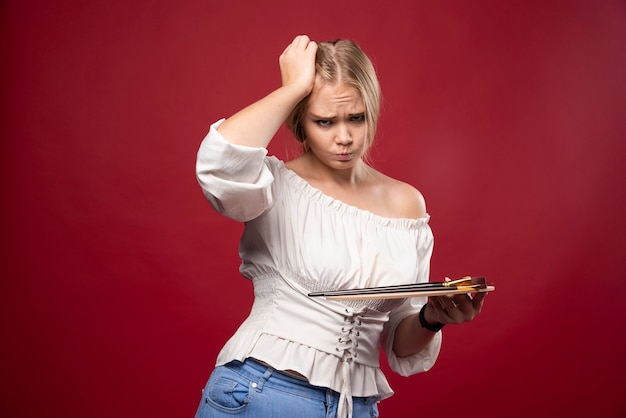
(436,327)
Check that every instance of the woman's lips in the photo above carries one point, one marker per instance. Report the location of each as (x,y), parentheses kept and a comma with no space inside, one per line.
(344,157)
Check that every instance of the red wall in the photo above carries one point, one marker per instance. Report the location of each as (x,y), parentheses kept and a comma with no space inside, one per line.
(119,284)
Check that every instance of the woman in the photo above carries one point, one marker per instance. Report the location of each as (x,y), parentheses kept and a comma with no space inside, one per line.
(325,220)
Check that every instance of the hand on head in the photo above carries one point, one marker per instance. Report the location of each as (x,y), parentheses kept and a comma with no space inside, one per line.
(297,64)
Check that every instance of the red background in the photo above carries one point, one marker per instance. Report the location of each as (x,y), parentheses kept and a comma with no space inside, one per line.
(119,283)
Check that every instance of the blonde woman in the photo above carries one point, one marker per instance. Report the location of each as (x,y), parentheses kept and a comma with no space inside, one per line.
(325,220)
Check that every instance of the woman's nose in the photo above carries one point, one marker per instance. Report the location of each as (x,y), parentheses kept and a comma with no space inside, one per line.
(344,136)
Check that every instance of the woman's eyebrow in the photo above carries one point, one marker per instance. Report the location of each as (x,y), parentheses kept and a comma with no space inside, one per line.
(314,116)
(350,115)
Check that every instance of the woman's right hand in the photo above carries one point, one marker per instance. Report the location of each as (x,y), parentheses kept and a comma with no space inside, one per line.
(297,65)
(256,124)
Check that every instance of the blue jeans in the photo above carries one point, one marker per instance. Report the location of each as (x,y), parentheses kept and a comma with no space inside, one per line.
(251,389)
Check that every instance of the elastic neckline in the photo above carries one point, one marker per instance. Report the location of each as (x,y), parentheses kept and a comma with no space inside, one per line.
(315,193)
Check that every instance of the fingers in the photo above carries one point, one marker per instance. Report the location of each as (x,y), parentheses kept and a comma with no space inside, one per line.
(455,308)
(444,302)
(301,43)
(458,308)
(302,40)
(297,64)
(478,300)
(446,310)
(311,48)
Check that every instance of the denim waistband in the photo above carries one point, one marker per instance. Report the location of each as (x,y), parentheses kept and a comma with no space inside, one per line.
(256,371)
(262,377)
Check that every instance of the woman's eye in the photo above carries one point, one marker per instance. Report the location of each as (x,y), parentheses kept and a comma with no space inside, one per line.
(358,118)
(323,122)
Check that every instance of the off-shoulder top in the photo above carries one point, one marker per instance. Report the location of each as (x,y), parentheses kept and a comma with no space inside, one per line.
(298,240)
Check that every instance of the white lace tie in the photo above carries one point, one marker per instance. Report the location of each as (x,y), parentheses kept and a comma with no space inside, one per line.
(348,341)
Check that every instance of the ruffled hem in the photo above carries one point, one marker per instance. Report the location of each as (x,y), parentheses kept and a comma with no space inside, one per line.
(312,193)
(315,365)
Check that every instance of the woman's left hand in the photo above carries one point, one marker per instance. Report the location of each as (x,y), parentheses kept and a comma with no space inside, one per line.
(454,309)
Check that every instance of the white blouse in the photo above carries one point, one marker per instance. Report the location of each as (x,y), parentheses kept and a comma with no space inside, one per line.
(298,240)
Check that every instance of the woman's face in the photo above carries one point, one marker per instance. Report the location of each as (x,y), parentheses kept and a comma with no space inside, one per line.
(335,125)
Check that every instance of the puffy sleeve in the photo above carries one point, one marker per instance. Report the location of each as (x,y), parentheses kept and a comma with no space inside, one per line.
(425,359)
(233,178)
(419,362)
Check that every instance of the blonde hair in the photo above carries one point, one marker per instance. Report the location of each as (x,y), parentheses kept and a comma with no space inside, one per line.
(343,61)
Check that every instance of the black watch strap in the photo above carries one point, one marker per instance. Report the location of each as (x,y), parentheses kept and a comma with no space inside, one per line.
(436,327)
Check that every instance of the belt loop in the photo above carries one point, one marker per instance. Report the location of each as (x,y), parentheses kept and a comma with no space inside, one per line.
(330,405)
(259,385)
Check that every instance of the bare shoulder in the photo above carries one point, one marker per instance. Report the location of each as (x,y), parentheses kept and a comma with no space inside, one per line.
(405,200)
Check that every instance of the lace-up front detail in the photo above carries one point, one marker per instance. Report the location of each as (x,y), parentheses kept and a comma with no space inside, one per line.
(347,348)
